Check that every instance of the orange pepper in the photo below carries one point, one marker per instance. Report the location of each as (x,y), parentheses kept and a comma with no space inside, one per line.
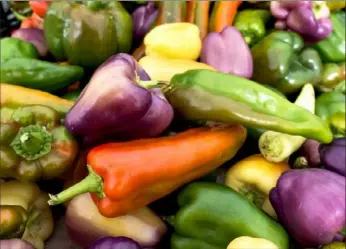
(223,15)
(126,176)
(39,7)
(198,13)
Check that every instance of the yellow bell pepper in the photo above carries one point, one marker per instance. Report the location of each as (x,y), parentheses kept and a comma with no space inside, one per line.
(251,243)
(164,69)
(174,40)
(254,177)
(336,5)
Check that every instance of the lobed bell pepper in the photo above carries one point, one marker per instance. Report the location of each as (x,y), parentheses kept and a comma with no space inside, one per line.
(245,242)
(34,144)
(254,177)
(333,155)
(114,105)
(227,52)
(332,49)
(174,161)
(87,34)
(281,61)
(169,40)
(252,24)
(330,107)
(25,213)
(310,203)
(331,77)
(211,215)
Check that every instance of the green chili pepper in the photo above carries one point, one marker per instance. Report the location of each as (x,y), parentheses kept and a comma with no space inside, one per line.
(212,215)
(251,23)
(15,48)
(220,97)
(34,144)
(280,61)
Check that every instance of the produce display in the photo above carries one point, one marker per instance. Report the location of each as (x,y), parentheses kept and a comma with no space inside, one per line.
(173,125)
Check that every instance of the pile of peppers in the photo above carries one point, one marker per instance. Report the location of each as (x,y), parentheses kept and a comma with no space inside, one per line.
(173,125)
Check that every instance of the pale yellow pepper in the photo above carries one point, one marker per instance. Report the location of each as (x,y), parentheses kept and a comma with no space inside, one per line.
(175,41)
(336,5)
(164,69)
(254,177)
(251,243)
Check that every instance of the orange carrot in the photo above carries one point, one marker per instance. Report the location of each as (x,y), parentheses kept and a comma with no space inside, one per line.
(198,13)
(223,14)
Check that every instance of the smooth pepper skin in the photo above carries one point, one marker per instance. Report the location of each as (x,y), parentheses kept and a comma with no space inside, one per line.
(86,35)
(332,49)
(211,215)
(24,213)
(35,145)
(333,155)
(280,61)
(16,48)
(252,24)
(226,98)
(310,203)
(332,75)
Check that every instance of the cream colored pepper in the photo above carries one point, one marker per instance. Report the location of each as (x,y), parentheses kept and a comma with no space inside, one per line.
(174,40)
(251,243)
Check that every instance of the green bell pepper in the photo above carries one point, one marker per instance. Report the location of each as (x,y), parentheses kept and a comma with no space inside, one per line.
(34,144)
(251,23)
(212,215)
(15,48)
(332,49)
(332,75)
(281,61)
(331,108)
(87,34)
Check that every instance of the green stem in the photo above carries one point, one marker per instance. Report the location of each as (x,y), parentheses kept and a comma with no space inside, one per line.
(301,163)
(96,5)
(18,16)
(343,231)
(148,84)
(254,195)
(93,183)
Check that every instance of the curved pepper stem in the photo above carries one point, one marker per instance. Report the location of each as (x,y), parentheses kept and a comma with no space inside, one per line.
(93,183)
(254,195)
(96,5)
(148,84)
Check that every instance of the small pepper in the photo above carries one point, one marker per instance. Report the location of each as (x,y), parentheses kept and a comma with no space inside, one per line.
(174,161)
(280,60)
(211,215)
(254,177)
(252,24)
(198,13)
(245,242)
(169,40)
(25,213)
(223,14)
(332,75)
(39,7)
(35,145)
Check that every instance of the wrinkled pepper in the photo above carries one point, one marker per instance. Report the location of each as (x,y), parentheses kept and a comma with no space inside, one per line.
(198,13)
(245,242)
(281,61)
(12,96)
(86,35)
(169,40)
(332,75)
(24,213)
(35,145)
(254,177)
(211,215)
(223,14)
(252,24)
(330,107)
(185,157)
(163,69)
(226,98)
(332,49)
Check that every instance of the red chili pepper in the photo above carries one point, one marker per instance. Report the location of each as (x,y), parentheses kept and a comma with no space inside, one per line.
(27,23)
(39,7)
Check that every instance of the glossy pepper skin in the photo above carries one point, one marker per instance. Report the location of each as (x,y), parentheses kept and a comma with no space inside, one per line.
(252,24)
(333,155)
(330,107)
(332,49)
(174,161)
(281,61)
(12,47)
(332,75)
(226,98)
(313,211)
(113,104)
(212,215)
(246,242)
(25,213)
(86,35)
(35,145)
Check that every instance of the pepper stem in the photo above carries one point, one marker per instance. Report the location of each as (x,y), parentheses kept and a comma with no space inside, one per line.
(301,163)
(148,84)
(254,195)
(93,183)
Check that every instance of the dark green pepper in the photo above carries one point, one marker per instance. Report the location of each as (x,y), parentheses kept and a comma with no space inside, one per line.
(35,145)
(331,108)
(332,75)
(87,34)
(281,61)
(252,24)
(212,215)
(73,95)
(15,48)
(226,98)
(332,49)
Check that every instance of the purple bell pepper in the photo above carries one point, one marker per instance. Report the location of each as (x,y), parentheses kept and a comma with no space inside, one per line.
(113,105)
(310,203)
(115,243)
(228,52)
(143,19)
(35,36)
(333,155)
